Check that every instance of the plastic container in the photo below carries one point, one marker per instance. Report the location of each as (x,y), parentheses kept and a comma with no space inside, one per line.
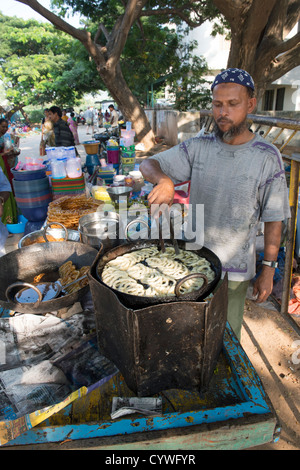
(113,156)
(119,180)
(70,152)
(100,193)
(91,146)
(51,152)
(73,167)
(25,175)
(92,160)
(33,198)
(19,227)
(36,214)
(30,186)
(58,168)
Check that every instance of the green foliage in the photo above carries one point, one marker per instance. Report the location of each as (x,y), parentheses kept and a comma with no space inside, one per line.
(39,64)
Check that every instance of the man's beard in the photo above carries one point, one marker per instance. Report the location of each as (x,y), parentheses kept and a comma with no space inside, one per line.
(234,131)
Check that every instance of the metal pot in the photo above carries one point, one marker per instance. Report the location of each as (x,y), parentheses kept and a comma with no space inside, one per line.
(24,264)
(134,301)
(100,228)
(63,232)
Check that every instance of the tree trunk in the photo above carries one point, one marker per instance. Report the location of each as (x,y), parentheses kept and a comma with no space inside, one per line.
(128,105)
(258,44)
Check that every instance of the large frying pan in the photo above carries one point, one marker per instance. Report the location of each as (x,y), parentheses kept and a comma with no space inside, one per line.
(140,302)
(24,264)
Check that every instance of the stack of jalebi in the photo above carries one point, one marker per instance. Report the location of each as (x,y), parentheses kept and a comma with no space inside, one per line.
(68,273)
(68,209)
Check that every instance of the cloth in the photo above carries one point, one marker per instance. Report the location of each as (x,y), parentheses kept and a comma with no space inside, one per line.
(8,160)
(239,186)
(4,186)
(10,210)
(237,292)
(63,134)
(232,75)
(73,128)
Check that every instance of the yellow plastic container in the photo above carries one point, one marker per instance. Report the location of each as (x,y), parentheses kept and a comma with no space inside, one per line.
(99,192)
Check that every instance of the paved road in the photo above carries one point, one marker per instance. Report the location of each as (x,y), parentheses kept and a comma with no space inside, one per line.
(30,145)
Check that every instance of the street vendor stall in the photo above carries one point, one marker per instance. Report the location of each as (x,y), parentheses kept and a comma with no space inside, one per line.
(153,368)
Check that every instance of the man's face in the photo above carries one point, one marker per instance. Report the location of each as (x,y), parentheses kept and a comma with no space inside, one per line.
(3,128)
(230,105)
(54,117)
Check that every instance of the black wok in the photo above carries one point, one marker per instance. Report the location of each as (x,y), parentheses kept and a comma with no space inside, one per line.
(25,263)
(134,301)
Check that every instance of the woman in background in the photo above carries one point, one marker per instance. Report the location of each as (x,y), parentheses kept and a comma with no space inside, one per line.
(5,192)
(73,127)
(8,159)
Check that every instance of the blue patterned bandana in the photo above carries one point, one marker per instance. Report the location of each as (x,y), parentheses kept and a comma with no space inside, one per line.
(239,76)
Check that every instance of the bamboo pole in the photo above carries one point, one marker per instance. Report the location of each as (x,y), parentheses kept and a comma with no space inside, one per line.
(290,240)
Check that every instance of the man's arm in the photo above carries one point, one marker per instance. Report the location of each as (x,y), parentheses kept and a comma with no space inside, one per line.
(263,285)
(163,192)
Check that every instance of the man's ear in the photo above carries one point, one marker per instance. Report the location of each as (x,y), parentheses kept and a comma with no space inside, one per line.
(252,102)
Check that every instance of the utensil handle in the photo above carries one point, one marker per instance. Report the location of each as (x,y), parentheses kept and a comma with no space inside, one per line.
(135,221)
(186,278)
(23,284)
(54,223)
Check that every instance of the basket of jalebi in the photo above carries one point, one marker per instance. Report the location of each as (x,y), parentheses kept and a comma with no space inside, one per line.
(67,210)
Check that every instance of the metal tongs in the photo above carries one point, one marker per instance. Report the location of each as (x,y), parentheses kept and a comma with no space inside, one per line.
(171,227)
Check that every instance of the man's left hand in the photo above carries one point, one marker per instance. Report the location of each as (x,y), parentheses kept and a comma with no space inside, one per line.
(263,285)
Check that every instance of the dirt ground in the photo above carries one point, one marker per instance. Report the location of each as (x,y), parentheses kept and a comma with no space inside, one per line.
(273,347)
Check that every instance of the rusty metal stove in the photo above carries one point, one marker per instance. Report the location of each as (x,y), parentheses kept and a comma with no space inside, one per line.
(170,345)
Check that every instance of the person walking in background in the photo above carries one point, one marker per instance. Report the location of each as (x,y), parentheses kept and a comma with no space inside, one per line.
(89,117)
(114,116)
(73,127)
(100,119)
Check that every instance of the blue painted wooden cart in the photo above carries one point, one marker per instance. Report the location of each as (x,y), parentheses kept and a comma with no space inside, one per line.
(234,413)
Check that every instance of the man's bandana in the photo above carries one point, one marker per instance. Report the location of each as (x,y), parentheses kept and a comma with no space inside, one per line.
(239,76)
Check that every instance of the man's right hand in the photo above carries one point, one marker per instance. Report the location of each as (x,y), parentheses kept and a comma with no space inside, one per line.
(163,192)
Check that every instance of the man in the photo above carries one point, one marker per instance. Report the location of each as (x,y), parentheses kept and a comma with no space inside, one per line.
(89,117)
(239,178)
(62,133)
(114,116)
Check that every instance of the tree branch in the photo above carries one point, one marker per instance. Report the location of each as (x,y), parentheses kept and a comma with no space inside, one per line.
(82,35)
(284,63)
(120,32)
(56,20)
(233,9)
(292,16)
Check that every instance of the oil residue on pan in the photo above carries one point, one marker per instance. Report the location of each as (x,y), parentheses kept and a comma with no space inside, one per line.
(29,295)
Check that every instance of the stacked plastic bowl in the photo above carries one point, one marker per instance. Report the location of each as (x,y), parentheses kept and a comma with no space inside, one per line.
(32,193)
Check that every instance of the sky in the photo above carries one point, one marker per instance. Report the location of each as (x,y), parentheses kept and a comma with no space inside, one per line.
(14,8)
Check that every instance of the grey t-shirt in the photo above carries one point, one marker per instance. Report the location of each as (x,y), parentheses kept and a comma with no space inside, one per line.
(239,185)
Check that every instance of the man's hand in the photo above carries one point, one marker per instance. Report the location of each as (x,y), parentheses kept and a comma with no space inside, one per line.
(163,192)
(263,285)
